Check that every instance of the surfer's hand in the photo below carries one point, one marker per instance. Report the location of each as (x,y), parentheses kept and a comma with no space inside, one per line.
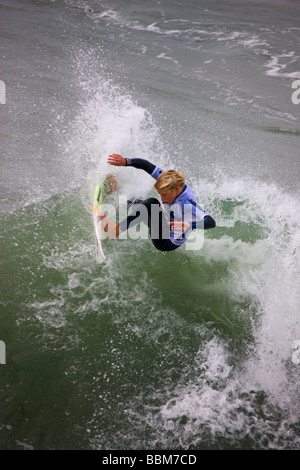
(116,160)
(109,227)
(179,225)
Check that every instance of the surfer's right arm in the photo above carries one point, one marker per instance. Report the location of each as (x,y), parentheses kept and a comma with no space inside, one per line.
(118,160)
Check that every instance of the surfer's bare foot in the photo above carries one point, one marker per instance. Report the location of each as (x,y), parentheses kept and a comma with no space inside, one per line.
(109,227)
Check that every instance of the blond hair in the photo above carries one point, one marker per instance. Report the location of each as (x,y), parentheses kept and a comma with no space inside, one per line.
(169,180)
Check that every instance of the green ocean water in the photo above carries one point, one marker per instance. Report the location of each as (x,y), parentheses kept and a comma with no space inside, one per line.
(99,350)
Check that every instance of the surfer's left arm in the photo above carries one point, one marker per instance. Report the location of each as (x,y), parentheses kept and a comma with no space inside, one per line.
(118,160)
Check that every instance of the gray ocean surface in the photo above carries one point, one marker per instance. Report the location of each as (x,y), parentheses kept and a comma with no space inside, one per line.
(193,349)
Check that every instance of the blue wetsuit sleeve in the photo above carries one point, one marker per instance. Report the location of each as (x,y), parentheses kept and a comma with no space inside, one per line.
(145,165)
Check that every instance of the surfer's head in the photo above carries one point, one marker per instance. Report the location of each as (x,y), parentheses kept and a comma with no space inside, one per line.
(169,180)
(169,184)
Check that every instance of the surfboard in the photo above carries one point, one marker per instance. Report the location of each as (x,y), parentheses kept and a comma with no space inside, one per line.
(99,232)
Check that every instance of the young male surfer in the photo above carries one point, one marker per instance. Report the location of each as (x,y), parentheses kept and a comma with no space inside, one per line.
(169,223)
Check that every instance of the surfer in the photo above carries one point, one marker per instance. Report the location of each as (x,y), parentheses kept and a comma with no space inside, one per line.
(169,223)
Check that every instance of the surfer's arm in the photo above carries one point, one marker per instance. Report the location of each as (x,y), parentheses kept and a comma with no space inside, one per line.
(141,164)
(117,160)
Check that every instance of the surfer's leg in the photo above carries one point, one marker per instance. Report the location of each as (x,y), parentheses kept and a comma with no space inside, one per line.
(150,213)
(133,201)
(141,213)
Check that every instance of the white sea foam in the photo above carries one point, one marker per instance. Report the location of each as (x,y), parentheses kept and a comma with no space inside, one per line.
(276,65)
(206,399)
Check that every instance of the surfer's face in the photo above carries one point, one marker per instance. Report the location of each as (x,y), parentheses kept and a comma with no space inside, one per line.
(168,197)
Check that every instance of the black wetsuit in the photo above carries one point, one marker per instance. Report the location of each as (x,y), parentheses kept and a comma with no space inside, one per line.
(159,217)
